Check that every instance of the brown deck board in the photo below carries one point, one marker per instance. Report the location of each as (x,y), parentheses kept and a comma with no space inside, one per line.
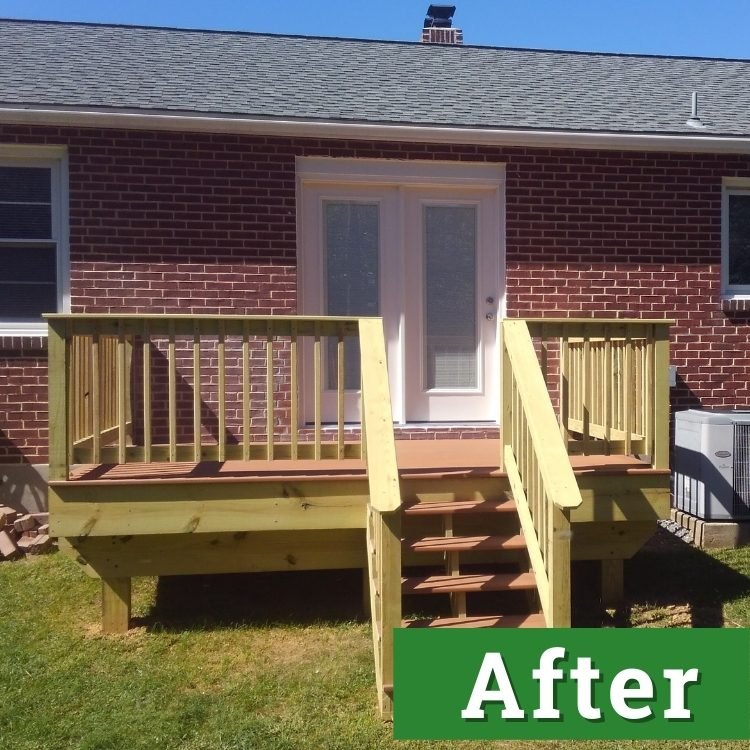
(417,459)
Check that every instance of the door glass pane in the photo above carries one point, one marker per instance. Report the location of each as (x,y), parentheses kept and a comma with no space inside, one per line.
(351,241)
(450,317)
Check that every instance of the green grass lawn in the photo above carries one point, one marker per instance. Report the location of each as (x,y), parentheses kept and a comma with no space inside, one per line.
(267,661)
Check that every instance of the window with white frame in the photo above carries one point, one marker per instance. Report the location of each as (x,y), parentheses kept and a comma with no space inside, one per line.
(33,248)
(736,241)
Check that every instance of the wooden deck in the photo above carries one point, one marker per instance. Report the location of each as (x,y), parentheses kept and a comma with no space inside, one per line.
(197,444)
(623,497)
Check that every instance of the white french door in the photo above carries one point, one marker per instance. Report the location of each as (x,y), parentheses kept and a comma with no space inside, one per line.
(452,270)
(426,256)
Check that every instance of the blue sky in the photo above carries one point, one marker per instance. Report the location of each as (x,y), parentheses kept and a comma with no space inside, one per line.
(716,28)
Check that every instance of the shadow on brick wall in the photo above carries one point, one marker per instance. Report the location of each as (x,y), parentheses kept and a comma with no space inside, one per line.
(23,486)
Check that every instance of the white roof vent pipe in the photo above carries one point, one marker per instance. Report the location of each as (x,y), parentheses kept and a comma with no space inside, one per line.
(694,121)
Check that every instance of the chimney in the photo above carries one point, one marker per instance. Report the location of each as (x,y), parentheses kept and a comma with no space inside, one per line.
(438,26)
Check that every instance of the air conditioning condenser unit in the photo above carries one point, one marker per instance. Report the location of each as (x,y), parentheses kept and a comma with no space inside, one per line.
(711,477)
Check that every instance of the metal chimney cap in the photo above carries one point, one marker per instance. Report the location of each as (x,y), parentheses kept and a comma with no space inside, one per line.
(439,16)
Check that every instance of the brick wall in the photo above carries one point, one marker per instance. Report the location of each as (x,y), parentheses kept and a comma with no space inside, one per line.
(23,400)
(177,222)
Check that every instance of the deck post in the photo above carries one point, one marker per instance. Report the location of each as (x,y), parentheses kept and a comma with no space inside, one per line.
(58,346)
(115,605)
(660,458)
(390,602)
(613,583)
(559,568)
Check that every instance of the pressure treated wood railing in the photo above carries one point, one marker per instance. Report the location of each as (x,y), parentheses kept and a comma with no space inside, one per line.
(383,518)
(148,388)
(94,362)
(610,382)
(539,471)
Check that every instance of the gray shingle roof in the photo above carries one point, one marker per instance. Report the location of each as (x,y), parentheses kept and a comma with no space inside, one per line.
(305,78)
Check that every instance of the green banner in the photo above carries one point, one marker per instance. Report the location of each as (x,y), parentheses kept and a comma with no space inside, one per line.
(572,684)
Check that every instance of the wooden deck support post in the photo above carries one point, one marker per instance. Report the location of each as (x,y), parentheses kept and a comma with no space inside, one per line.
(390,591)
(115,605)
(613,583)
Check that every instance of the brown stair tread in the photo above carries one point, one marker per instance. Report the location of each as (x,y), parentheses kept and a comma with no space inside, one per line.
(467,582)
(466,543)
(505,505)
(480,621)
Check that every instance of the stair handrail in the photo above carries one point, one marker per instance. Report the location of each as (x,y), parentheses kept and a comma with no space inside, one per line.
(377,419)
(383,519)
(539,471)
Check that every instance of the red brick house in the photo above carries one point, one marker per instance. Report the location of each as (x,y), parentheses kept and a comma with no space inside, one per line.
(164,170)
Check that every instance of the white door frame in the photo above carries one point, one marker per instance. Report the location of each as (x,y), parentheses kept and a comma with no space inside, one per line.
(319,177)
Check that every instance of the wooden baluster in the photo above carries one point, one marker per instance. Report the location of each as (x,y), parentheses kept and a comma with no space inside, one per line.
(77,387)
(545,511)
(340,376)
(660,459)
(532,476)
(648,389)
(638,390)
(607,391)
(317,386)
(96,427)
(121,374)
(564,394)
(222,367)
(269,392)
(601,384)
(586,377)
(627,391)
(129,346)
(294,396)
(541,499)
(196,391)
(245,391)
(147,436)
(506,415)
(527,450)
(172,392)
(518,421)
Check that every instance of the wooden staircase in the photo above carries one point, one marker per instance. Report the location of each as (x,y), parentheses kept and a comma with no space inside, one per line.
(471,562)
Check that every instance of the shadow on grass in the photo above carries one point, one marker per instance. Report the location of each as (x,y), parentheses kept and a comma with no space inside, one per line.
(669,583)
(214,601)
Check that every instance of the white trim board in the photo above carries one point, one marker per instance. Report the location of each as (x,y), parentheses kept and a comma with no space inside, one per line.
(730,186)
(55,158)
(194,122)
